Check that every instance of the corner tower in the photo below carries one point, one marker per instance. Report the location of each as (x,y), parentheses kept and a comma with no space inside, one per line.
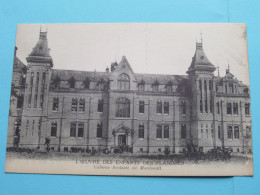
(36,93)
(201,80)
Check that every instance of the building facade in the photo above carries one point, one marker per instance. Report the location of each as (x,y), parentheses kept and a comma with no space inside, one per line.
(147,112)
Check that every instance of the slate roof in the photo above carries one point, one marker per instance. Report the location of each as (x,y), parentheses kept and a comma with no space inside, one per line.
(41,51)
(200,60)
(95,76)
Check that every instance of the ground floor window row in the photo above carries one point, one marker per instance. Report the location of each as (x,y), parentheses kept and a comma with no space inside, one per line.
(232,131)
(77,130)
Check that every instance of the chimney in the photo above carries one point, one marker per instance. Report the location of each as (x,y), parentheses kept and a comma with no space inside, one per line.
(107,70)
(227,71)
(113,66)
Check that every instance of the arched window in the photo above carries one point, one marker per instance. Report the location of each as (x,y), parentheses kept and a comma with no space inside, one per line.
(123,82)
(123,107)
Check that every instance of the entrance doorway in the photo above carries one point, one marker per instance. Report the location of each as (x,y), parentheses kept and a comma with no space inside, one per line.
(121,140)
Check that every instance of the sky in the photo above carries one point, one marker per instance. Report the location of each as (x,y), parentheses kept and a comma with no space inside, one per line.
(156,48)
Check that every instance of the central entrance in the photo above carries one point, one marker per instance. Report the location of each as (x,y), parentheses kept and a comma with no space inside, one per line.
(122,136)
(122,140)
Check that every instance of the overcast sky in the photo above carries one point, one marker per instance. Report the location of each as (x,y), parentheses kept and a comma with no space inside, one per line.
(163,48)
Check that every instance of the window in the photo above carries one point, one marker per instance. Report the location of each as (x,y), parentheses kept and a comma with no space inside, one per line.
(207,131)
(169,88)
(123,107)
(235,108)
(54,129)
(86,83)
(159,107)
(19,101)
(141,106)
(206,106)
(57,83)
(155,87)
(37,82)
(100,105)
(229,132)
(55,104)
(141,131)
(82,105)
(218,108)
(219,132)
(210,105)
(123,82)
(17,127)
(166,133)
(201,130)
(206,98)
(200,87)
(72,82)
(39,124)
(29,100)
(74,104)
(72,129)
(35,101)
(183,131)
(210,85)
(141,87)
(22,79)
(229,108)
(231,88)
(201,107)
(101,85)
(99,130)
(183,107)
(43,82)
(31,81)
(80,129)
(166,108)
(41,100)
(247,108)
(236,132)
(212,130)
(248,131)
(159,132)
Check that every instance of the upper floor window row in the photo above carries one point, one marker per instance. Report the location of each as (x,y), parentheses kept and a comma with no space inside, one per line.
(73,84)
(156,87)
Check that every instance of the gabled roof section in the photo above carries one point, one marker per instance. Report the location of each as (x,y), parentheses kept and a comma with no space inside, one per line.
(41,51)
(124,64)
(200,61)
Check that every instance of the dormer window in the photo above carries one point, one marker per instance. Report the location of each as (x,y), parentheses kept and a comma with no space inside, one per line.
(56,82)
(72,82)
(141,86)
(123,82)
(101,84)
(169,87)
(86,83)
(155,86)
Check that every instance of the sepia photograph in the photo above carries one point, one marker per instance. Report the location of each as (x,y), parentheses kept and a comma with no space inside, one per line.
(134,99)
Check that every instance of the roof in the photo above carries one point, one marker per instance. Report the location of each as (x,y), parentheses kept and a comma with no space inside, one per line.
(79,75)
(95,76)
(200,60)
(41,51)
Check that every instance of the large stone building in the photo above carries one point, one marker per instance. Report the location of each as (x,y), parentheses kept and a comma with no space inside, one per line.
(147,112)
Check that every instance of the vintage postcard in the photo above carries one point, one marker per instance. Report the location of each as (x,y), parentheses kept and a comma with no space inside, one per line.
(144,99)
